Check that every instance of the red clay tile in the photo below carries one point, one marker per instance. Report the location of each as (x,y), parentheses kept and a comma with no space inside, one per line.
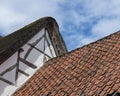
(93,69)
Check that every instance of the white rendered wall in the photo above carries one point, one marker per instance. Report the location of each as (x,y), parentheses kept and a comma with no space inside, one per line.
(35,57)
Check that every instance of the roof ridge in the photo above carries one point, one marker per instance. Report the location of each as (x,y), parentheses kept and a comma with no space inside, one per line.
(93,69)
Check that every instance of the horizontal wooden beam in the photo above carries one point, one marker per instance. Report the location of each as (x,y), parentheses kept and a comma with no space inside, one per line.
(26,74)
(39,50)
(6,81)
(27,63)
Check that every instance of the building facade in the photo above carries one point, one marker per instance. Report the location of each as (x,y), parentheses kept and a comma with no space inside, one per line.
(23,52)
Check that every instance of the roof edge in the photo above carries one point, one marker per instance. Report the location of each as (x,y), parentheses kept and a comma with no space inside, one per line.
(84,46)
(15,40)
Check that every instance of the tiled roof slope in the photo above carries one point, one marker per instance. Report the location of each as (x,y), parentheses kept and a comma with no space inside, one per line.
(11,43)
(93,70)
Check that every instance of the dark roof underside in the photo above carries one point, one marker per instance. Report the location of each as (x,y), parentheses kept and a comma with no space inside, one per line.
(91,70)
(11,43)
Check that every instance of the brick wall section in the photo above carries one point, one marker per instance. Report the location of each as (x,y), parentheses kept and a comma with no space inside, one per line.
(93,70)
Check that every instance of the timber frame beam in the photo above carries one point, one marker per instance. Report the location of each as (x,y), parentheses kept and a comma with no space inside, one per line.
(24,61)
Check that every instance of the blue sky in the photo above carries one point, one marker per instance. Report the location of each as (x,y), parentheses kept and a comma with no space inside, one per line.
(81,21)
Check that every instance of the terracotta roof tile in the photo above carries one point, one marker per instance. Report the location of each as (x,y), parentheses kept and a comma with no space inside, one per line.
(91,70)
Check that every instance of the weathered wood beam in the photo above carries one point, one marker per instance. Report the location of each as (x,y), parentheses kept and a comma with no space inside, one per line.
(6,81)
(17,66)
(44,43)
(49,47)
(7,70)
(48,44)
(44,57)
(34,43)
(26,74)
(39,50)
(28,52)
(27,63)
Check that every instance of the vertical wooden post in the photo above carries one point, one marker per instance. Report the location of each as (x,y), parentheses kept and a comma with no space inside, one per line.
(48,43)
(44,58)
(17,65)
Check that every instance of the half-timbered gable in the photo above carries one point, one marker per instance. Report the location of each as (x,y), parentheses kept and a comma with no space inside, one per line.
(23,52)
(92,70)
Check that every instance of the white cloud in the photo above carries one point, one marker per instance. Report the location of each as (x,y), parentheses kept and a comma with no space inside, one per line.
(101,7)
(9,19)
(16,14)
(103,15)
(106,26)
(75,18)
(77,40)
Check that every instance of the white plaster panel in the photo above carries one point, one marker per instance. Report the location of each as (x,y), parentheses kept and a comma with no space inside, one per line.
(47,50)
(25,68)
(22,79)
(39,61)
(9,62)
(35,57)
(10,75)
(51,46)
(25,48)
(6,90)
(40,45)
